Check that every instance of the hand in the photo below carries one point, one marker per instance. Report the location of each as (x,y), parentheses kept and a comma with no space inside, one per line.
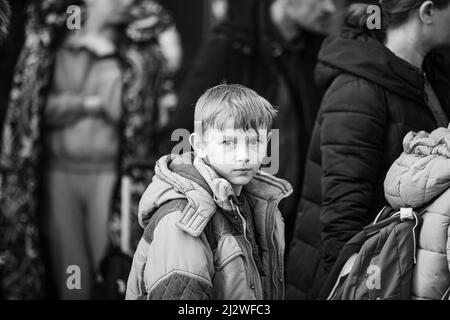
(167,104)
(93,104)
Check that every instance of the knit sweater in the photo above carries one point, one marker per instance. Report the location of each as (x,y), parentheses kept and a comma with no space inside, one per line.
(80,138)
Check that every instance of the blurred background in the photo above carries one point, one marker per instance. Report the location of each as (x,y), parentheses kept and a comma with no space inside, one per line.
(85,113)
(194,20)
(175,51)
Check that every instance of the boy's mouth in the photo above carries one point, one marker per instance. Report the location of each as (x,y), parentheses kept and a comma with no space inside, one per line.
(242,170)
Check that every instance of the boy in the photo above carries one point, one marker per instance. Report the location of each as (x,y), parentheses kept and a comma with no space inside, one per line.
(212,226)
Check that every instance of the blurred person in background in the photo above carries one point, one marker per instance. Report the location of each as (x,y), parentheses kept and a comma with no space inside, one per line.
(4,18)
(219,9)
(271,47)
(377,91)
(83,111)
(4,23)
(9,51)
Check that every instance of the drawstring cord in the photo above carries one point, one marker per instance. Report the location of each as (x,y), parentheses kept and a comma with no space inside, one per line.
(446,294)
(409,214)
(414,237)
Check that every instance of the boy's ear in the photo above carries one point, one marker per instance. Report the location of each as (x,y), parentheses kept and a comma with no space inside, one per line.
(197,144)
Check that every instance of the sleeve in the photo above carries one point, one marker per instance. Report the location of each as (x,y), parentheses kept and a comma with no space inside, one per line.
(63,109)
(179,266)
(135,285)
(352,143)
(110,93)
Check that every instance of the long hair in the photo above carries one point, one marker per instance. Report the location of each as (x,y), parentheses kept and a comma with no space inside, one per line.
(394,13)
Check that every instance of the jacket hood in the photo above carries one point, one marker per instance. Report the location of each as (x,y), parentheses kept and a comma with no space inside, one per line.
(422,172)
(188,177)
(365,57)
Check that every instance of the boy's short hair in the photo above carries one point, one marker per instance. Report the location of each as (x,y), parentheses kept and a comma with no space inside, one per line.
(233,101)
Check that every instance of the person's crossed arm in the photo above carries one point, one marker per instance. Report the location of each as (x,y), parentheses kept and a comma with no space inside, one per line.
(352,143)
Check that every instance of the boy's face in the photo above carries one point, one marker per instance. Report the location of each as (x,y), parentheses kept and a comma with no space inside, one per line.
(234,154)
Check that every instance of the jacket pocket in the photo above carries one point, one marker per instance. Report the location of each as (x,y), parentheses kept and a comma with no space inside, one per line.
(231,279)
(228,249)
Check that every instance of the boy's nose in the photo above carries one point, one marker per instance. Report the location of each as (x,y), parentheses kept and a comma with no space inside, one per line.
(242,153)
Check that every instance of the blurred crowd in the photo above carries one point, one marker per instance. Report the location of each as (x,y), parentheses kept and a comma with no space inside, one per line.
(90,97)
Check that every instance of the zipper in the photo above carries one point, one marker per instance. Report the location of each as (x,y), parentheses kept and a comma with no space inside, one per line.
(256,280)
(277,251)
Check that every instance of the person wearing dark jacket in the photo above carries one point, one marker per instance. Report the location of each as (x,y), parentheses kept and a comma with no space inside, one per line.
(4,22)
(271,47)
(377,93)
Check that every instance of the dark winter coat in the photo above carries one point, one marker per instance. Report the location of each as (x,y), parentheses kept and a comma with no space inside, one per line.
(373,100)
(437,67)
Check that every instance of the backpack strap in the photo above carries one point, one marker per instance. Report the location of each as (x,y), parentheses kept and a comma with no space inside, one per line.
(163,211)
(169,207)
(210,237)
(388,215)
(346,269)
(377,225)
(446,295)
(383,214)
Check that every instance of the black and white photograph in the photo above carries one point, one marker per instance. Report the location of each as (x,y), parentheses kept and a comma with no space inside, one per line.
(255,153)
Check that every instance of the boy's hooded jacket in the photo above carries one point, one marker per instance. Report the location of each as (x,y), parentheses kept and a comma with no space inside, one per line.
(373,100)
(422,175)
(195,244)
(22,271)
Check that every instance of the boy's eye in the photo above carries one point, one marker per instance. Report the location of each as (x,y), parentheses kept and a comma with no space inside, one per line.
(254,141)
(228,142)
